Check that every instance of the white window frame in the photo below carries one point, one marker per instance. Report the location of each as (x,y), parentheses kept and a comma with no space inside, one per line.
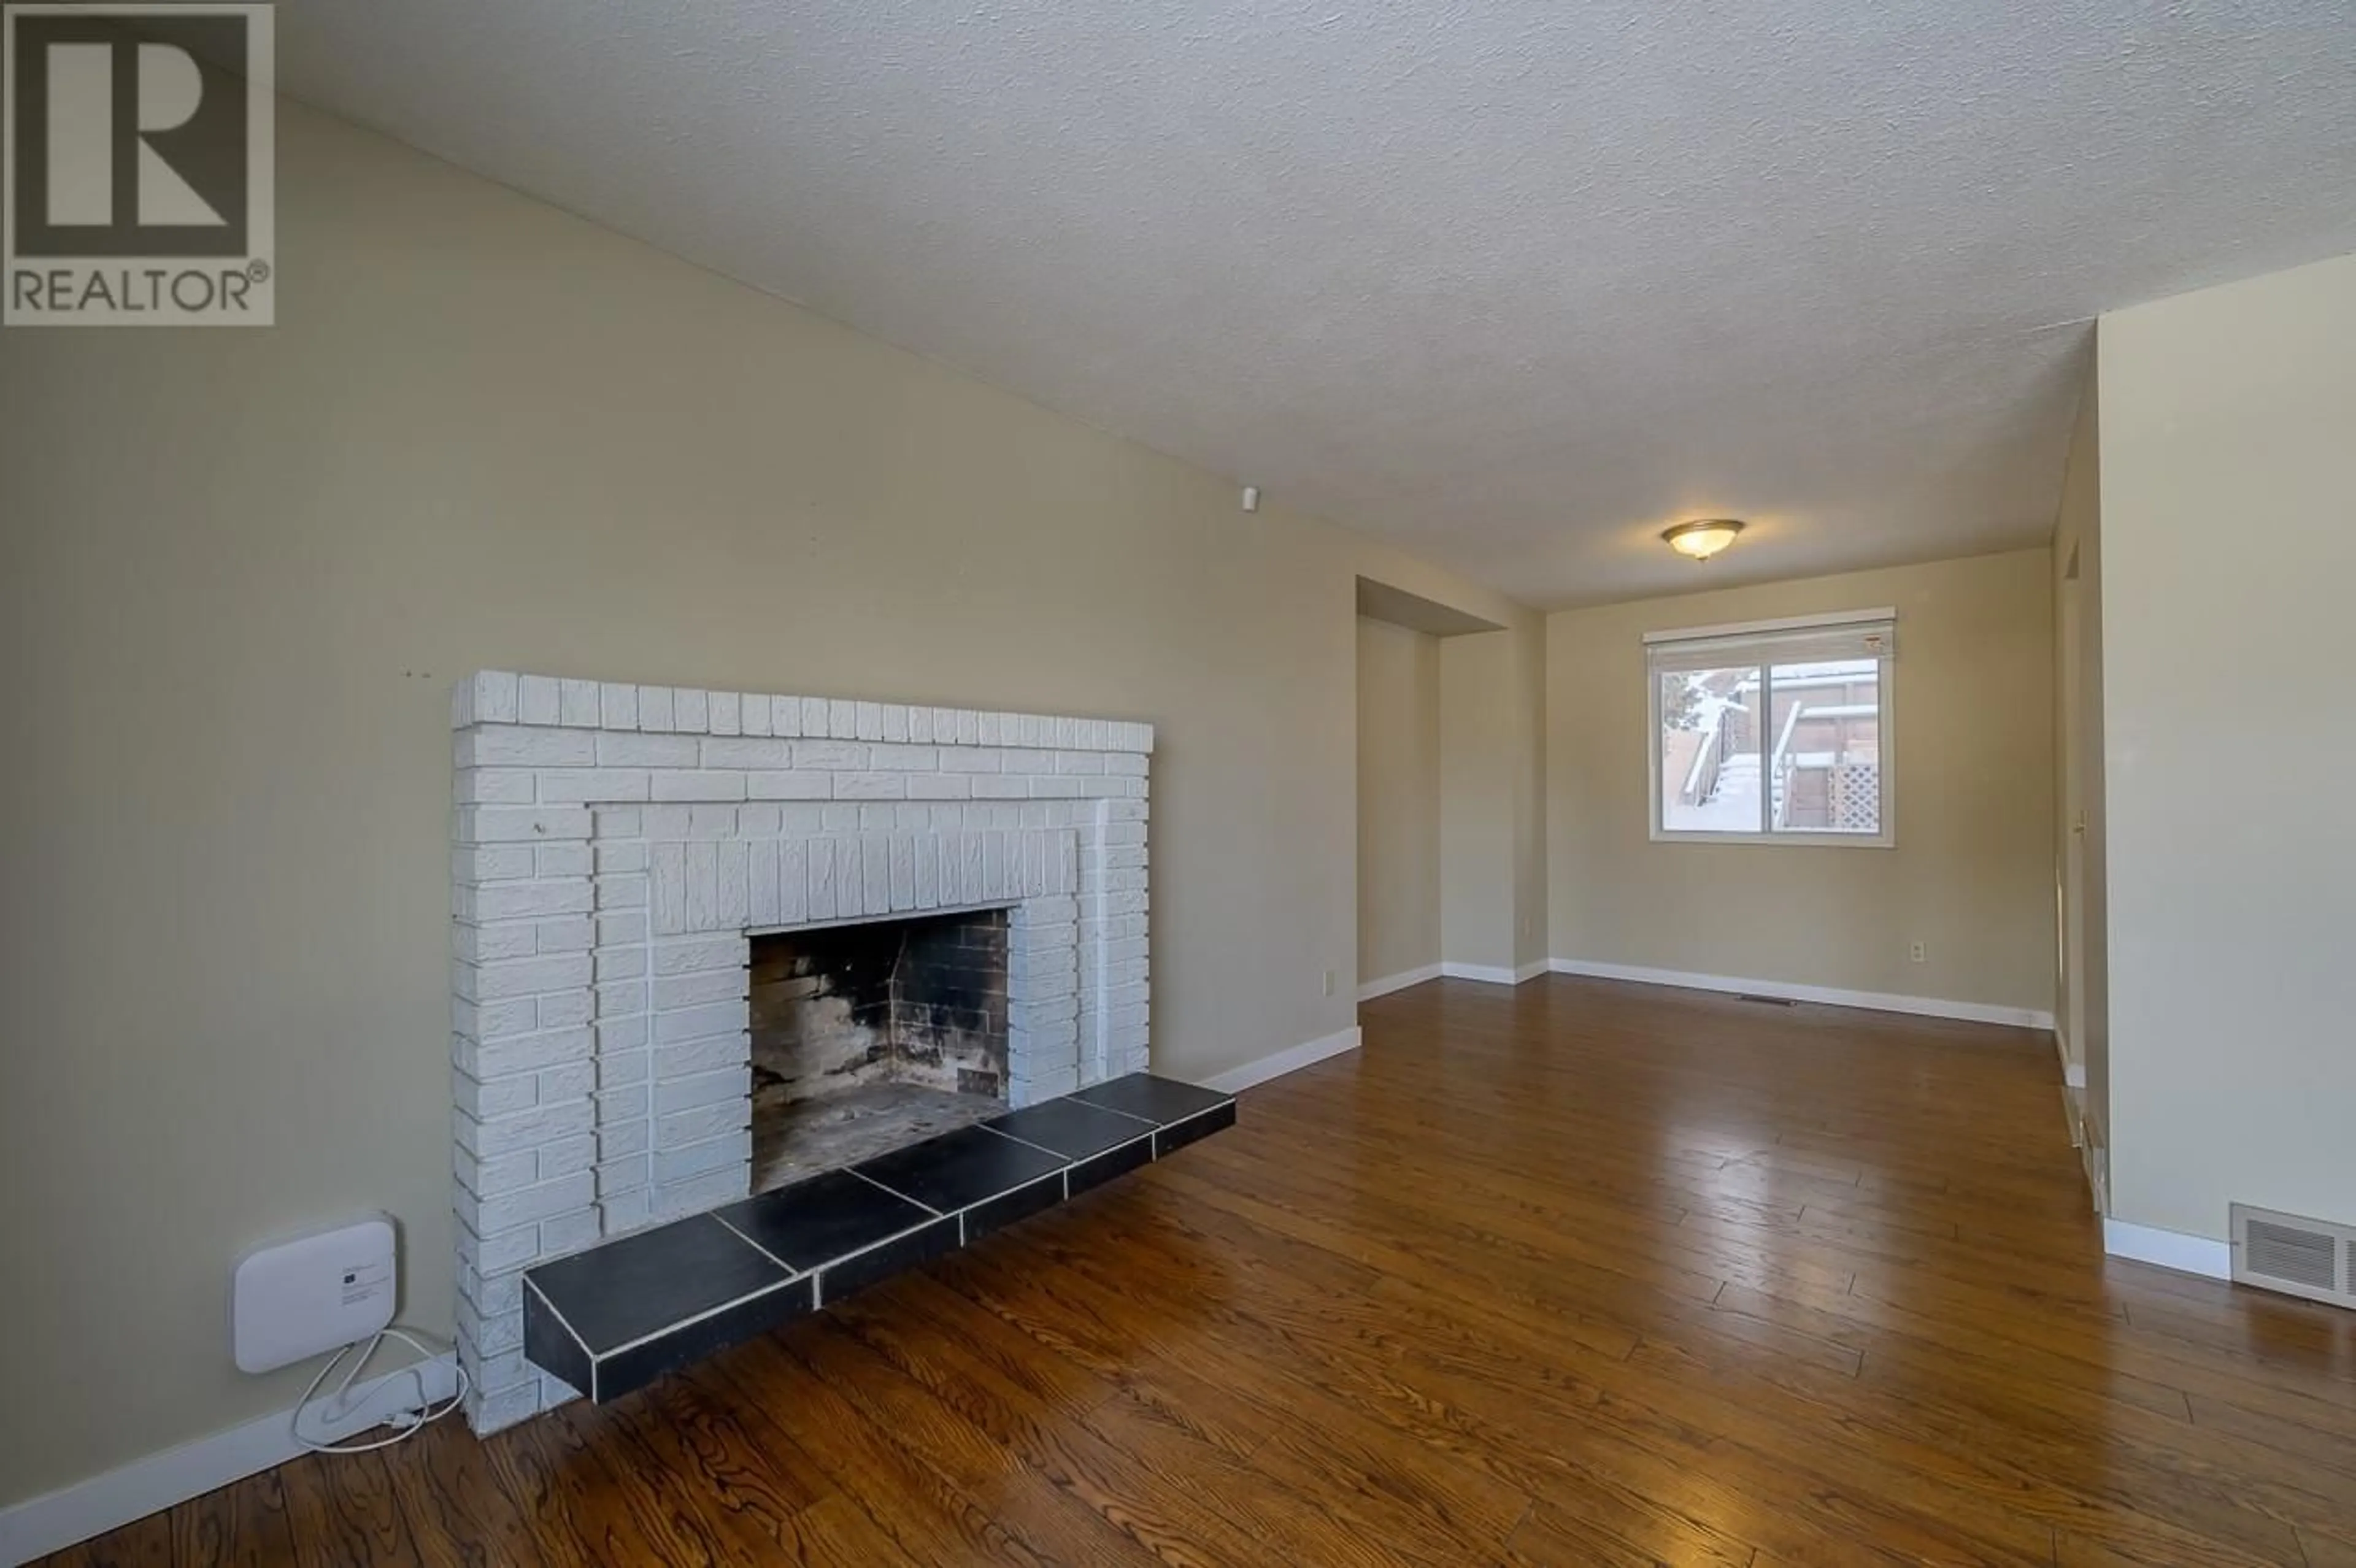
(1757,643)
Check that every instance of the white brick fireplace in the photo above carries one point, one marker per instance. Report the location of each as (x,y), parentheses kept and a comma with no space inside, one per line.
(614,845)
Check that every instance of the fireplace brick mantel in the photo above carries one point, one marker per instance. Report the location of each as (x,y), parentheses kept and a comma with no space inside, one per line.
(614,845)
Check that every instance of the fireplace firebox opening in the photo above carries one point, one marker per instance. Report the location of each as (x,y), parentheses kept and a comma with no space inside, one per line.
(870,1036)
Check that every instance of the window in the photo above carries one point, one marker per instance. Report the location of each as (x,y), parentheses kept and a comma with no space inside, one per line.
(1773,731)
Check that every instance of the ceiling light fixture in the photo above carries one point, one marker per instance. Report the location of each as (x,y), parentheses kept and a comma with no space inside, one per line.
(1703,537)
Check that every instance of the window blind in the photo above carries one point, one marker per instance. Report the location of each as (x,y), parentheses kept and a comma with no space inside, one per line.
(1867,635)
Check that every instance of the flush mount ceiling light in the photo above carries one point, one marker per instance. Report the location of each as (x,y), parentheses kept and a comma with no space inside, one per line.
(1703,537)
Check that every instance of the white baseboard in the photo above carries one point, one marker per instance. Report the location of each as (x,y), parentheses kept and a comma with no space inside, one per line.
(1291,1059)
(1877,1001)
(2095,1161)
(1489,974)
(2073,1073)
(1398,982)
(1494,974)
(2169,1249)
(54,1521)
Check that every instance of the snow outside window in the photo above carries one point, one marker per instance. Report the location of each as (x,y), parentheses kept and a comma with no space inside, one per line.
(1773,731)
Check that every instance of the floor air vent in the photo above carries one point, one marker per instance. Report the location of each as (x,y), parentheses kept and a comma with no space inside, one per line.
(2309,1258)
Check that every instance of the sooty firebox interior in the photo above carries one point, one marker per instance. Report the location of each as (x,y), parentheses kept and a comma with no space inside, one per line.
(867,1036)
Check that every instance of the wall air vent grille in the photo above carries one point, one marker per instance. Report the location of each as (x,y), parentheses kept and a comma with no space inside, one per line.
(2303,1257)
(2310,1258)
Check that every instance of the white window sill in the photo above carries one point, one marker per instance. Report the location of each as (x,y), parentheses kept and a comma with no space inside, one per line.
(1810,840)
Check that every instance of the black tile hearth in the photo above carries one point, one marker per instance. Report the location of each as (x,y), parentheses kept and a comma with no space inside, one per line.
(1162,1100)
(642,1284)
(617,1317)
(880,1262)
(636,1366)
(959,1169)
(818,1220)
(1073,1128)
(550,1345)
(1178,1134)
(1098,1169)
(997,1213)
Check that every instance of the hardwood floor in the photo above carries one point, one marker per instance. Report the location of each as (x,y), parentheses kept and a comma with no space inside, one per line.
(1576,1273)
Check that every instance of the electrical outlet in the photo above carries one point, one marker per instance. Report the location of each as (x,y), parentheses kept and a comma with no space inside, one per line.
(1329,982)
(1916,952)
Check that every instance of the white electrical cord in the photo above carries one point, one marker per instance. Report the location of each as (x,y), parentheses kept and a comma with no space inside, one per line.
(406,1421)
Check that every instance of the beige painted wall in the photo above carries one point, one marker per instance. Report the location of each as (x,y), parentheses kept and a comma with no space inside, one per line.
(1524,732)
(1399,799)
(240,571)
(1971,875)
(2082,986)
(2227,469)
(1492,823)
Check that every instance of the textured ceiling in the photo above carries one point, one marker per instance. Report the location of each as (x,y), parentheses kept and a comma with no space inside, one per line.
(1515,284)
